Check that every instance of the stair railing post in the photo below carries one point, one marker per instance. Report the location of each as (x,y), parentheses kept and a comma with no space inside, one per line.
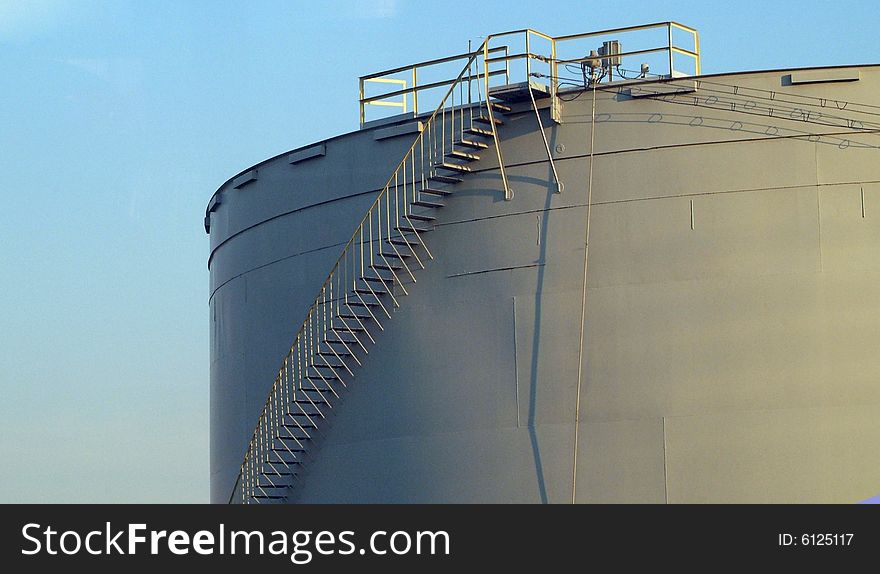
(508,193)
(415,93)
(555,102)
(528,57)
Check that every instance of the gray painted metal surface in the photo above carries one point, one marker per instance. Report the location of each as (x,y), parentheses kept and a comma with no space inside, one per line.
(732,326)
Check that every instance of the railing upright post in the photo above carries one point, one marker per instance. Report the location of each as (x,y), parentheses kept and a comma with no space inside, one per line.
(669,49)
(362,115)
(470,74)
(442,131)
(508,194)
(415,93)
(451,124)
(555,103)
(422,180)
(528,56)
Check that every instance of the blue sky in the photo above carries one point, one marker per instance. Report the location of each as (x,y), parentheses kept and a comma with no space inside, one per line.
(118,119)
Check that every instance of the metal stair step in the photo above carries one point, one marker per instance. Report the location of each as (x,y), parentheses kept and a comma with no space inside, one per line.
(374,279)
(411,229)
(430,204)
(320,393)
(305,416)
(357,302)
(339,331)
(293,427)
(334,351)
(474,144)
(281,460)
(287,450)
(301,427)
(349,329)
(301,424)
(269,497)
(302,440)
(374,292)
(365,303)
(435,191)
(349,342)
(351,316)
(277,473)
(395,254)
(418,217)
(386,266)
(333,354)
(319,378)
(306,412)
(323,376)
(453,167)
(314,388)
(287,462)
(487,120)
(339,339)
(374,295)
(329,373)
(479,132)
(504,109)
(309,401)
(463,155)
(332,364)
(445,178)
(403,241)
(342,349)
(294,439)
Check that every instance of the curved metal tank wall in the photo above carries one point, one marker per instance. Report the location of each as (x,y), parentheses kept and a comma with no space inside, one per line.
(731,331)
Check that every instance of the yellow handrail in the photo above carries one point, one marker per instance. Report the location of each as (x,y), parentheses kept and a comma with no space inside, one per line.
(412,70)
(502,55)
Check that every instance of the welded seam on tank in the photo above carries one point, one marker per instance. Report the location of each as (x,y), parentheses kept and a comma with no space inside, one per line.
(488,217)
(279,215)
(671,146)
(560,424)
(538,162)
(563,160)
(563,207)
(274,261)
(481,271)
(243,273)
(672,196)
(468,432)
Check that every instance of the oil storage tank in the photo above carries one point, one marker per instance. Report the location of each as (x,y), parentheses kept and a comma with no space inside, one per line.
(571,269)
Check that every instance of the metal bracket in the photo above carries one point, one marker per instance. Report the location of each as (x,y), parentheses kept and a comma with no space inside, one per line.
(559,186)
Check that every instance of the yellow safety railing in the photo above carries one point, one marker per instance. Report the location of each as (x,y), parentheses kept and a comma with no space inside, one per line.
(411,74)
(524,46)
